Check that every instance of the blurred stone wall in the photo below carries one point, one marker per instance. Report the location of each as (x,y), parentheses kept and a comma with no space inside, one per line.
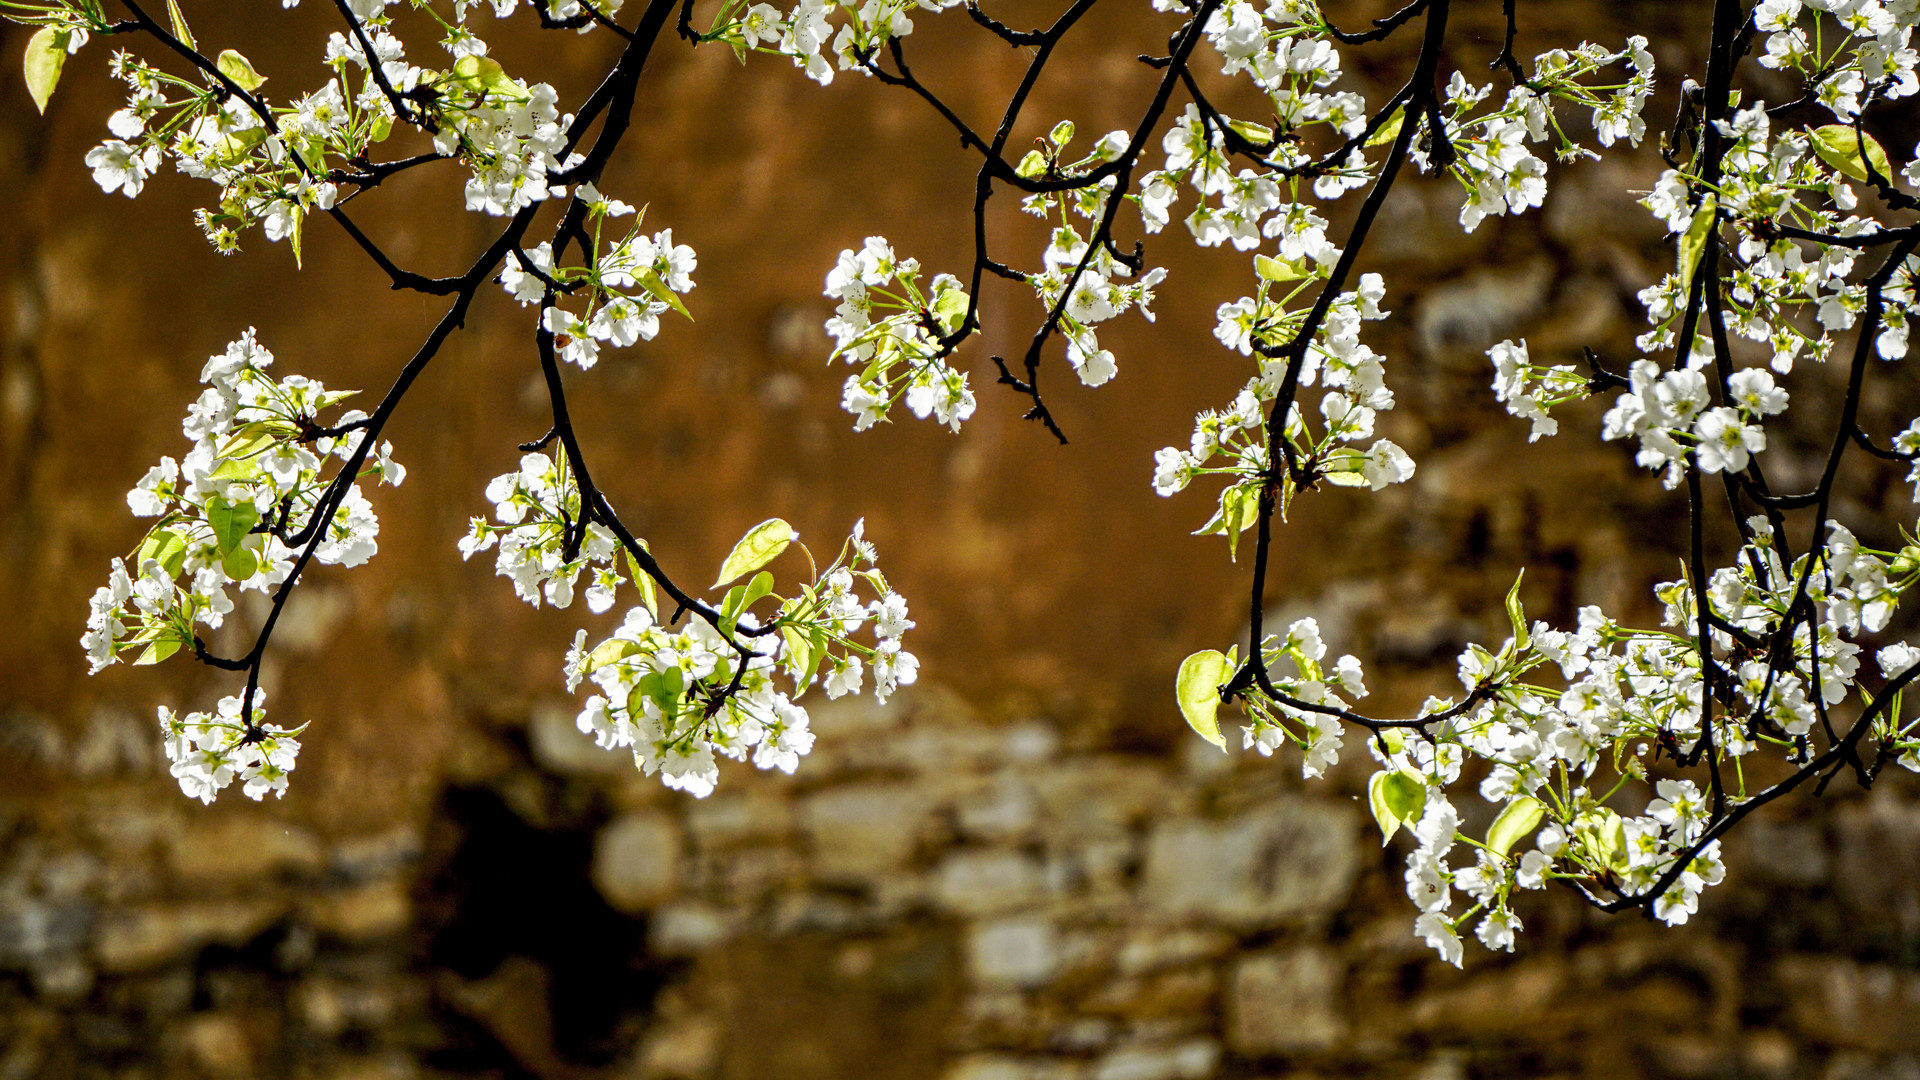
(1024,868)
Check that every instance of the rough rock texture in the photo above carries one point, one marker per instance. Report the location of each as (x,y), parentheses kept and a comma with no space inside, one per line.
(1025,868)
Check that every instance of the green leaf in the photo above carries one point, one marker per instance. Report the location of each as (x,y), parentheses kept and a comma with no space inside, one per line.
(1197,687)
(248,440)
(1345,468)
(756,549)
(165,546)
(673,683)
(1239,508)
(1062,133)
(611,652)
(231,522)
(1258,134)
(1032,165)
(234,469)
(1518,615)
(1694,244)
(730,609)
(797,648)
(644,582)
(817,655)
(651,282)
(238,68)
(1519,819)
(240,563)
(46,56)
(161,648)
(483,74)
(759,587)
(382,127)
(1839,146)
(180,25)
(1390,130)
(1272,269)
(1398,798)
(950,307)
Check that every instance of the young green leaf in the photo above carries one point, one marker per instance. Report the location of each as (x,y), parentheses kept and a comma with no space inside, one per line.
(651,282)
(1272,269)
(238,68)
(1257,134)
(610,652)
(1839,146)
(797,648)
(231,522)
(1518,615)
(1520,818)
(161,648)
(643,582)
(1062,133)
(1397,798)
(1694,243)
(760,586)
(1389,130)
(950,308)
(164,546)
(756,549)
(240,563)
(46,56)
(1197,687)
(179,21)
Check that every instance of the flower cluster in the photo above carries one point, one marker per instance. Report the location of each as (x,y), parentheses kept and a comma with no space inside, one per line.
(207,752)
(1671,414)
(1490,156)
(1529,390)
(1873,58)
(228,509)
(544,539)
(903,353)
(1089,278)
(232,513)
(680,700)
(1293,717)
(276,164)
(808,34)
(1235,442)
(635,281)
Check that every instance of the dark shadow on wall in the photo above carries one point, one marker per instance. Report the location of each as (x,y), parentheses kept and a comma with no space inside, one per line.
(535,975)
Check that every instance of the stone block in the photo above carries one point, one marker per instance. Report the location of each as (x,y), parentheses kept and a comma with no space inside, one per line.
(1858,1006)
(736,817)
(242,845)
(361,913)
(1876,870)
(218,1044)
(560,746)
(1103,795)
(1286,862)
(861,831)
(1002,808)
(1286,1002)
(1195,1060)
(636,860)
(684,929)
(136,938)
(34,930)
(986,882)
(1021,952)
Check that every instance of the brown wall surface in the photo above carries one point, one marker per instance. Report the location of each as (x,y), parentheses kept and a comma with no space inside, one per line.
(1023,868)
